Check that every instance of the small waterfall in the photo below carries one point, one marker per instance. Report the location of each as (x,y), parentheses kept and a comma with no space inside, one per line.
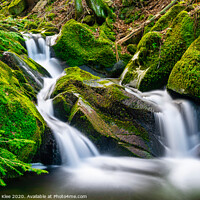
(40,52)
(73,145)
(177,122)
(175,176)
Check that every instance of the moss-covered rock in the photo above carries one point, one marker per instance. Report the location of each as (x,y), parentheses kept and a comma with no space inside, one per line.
(11,41)
(77,45)
(16,7)
(20,123)
(185,76)
(102,109)
(31,70)
(158,59)
(139,64)
(63,104)
(165,21)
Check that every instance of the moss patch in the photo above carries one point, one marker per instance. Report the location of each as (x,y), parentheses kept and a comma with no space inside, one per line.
(148,46)
(77,45)
(166,20)
(20,123)
(11,41)
(185,75)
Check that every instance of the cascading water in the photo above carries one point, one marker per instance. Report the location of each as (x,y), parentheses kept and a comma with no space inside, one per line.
(175,176)
(73,145)
(177,122)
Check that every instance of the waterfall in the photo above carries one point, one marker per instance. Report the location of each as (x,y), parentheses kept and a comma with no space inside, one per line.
(73,145)
(175,176)
(176,121)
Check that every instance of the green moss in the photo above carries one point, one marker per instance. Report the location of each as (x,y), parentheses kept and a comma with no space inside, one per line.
(30,25)
(10,23)
(157,59)
(99,110)
(20,122)
(11,41)
(51,16)
(167,18)
(78,46)
(148,46)
(11,166)
(106,31)
(35,31)
(125,57)
(179,38)
(73,74)
(185,75)
(89,20)
(32,64)
(132,128)
(28,90)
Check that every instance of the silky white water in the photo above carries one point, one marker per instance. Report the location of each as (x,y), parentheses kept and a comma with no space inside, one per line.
(175,176)
(72,144)
(177,122)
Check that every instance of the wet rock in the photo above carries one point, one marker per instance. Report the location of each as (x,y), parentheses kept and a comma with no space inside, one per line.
(117,69)
(63,104)
(31,70)
(48,153)
(116,121)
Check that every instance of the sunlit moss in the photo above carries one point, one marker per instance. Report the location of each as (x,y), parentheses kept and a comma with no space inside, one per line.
(77,46)
(185,75)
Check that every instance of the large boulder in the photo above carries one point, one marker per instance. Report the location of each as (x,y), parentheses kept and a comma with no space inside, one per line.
(157,53)
(185,76)
(20,120)
(80,44)
(30,69)
(117,122)
(11,41)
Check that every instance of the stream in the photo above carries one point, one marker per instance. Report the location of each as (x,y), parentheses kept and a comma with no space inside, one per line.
(85,174)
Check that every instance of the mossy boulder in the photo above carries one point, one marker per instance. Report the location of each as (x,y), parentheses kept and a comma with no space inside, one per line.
(30,69)
(158,57)
(185,76)
(21,125)
(105,112)
(20,120)
(78,46)
(165,21)
(139,64)
(16,7)
(11,41)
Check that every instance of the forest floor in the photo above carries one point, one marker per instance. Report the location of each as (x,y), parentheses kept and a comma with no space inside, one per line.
(65,11)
